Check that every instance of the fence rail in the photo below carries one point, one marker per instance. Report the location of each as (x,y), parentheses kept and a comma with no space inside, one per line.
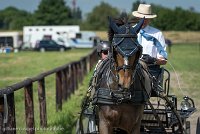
(66,83)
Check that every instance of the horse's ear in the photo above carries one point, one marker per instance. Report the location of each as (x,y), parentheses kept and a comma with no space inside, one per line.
(137,28)
(113,25)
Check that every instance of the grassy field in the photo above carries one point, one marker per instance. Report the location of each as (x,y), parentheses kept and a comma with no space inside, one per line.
(16,67)
(184,59)
(184,66)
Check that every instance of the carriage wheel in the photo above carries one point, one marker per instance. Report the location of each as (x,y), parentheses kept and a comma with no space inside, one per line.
(187,127)
(198,126)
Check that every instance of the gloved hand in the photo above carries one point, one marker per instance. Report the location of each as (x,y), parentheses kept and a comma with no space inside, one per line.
(148,59)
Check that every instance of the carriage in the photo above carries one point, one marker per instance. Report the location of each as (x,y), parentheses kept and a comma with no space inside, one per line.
(127,98)
(161,115)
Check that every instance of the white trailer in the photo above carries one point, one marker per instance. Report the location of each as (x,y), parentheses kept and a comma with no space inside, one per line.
(60,34)
(11,39)
(70,36)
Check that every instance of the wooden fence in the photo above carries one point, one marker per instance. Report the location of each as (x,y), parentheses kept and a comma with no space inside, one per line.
(67,78)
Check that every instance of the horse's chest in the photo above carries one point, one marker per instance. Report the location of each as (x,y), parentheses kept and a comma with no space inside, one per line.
(121,113)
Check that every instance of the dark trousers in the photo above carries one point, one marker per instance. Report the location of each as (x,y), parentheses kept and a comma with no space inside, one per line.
(157,73)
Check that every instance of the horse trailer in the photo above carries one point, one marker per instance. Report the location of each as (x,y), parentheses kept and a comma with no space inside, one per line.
(70,36)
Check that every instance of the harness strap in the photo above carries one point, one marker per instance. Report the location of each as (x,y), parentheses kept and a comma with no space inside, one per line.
(125,36)
(106,96)
(124,67)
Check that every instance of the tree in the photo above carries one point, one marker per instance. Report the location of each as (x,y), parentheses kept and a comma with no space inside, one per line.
(14,19)
(177,19)
(52,12)
(98,18)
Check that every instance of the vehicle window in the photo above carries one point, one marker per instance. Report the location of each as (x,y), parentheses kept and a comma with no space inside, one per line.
(51,43)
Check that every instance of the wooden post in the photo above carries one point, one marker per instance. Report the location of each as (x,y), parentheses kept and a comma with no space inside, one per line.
(42,103)
(29,109)
(1,115)
(64,85)
(88,64)
(68,73)
(58,91)
(74,77)
(11,124)
(85,66)
(81,72)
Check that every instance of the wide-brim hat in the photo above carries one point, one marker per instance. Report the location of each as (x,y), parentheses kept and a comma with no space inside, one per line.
(144,10)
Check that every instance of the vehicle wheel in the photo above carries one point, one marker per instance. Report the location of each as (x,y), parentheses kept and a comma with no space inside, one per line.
(198,126)
(42,50)
(62,49)
(187,127)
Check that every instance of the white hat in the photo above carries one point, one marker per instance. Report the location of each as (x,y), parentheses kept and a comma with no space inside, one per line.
(144,10)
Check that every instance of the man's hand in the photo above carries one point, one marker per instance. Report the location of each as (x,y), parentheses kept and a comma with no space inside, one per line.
(161,61)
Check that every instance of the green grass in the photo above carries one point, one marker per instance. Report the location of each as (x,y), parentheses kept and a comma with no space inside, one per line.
(16,67)
(183,57)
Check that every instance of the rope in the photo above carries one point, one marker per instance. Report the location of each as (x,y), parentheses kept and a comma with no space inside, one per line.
(179,85)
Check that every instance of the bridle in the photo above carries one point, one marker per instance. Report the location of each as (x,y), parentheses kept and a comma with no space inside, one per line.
(124,43)
(126,52)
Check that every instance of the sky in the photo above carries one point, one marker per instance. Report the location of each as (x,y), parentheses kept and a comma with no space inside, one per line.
(87,5)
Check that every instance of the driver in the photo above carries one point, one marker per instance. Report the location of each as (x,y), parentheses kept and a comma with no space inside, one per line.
(152,41)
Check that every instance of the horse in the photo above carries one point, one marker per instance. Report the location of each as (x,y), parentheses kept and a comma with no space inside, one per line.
(122,82)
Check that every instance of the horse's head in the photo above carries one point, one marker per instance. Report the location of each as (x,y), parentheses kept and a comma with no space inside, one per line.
(126,50)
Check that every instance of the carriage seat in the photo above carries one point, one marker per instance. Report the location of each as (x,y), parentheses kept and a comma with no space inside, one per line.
(157,73)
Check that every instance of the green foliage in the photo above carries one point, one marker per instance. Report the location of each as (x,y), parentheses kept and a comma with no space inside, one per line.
(51,12)
(12,18)
(98,18)
(177,19)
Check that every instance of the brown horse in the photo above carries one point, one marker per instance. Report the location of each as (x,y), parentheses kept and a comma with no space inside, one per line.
(121,90)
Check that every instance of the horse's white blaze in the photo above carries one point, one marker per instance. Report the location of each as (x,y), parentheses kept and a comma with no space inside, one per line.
(125,60)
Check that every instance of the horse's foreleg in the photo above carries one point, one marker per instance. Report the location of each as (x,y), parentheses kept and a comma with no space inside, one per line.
(136,129)
(104,128)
